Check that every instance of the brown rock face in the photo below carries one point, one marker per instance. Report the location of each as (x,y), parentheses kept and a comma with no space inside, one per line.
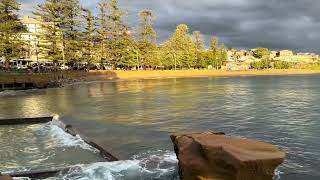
(5,178)
(209,156)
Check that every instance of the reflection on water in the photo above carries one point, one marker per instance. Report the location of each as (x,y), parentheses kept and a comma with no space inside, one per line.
(138,116)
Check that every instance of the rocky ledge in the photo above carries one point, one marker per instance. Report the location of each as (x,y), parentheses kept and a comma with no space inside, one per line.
(5,178)
(216,156)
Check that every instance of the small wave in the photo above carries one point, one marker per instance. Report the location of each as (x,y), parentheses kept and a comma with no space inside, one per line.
(144,166)
(277,174)
(61,138)
(65,139)
(156,165)
(12,93)
(158,162)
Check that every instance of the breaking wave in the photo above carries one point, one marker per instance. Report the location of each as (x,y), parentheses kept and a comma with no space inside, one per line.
(64,139)
(36,147)
(144,166)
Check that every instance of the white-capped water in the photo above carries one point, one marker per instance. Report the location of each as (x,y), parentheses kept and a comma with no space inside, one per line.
(41,146)
(149,165)
(145,166)
(64,139)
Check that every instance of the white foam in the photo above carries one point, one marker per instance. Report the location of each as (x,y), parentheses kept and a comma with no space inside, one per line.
(159,163)
(145,166)
(64,139)
(277,174)
(11,93)
(21,178)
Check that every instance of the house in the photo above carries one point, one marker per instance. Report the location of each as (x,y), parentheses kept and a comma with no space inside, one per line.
(235,66)
(284,55)
(308,58)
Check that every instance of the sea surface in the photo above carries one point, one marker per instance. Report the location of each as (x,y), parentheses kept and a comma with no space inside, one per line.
(134,119)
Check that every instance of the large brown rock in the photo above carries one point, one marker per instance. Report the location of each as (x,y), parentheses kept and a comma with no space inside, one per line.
(5,178)
(219,157)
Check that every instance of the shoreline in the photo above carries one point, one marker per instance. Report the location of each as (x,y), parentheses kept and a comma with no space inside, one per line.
(59,79)
(137,75)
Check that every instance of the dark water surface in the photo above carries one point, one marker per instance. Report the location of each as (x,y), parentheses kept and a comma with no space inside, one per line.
(136,118)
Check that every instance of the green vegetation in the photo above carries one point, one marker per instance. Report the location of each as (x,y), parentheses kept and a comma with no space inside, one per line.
(62,21)
(264,62)
(72,34)
(147,41)
(10,44)
(315,67)
(179,50)
(261,52)
(282,65)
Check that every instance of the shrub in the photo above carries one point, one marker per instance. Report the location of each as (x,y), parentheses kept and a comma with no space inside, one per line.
(282,65)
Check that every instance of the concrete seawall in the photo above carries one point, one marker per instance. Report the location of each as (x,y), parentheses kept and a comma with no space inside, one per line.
(53,79)
(17,86)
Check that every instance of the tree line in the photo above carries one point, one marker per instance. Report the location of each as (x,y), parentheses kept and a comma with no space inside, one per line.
(73,34)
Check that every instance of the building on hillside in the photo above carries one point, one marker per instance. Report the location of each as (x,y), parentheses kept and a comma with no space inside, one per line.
(299,58)
(307,58)
(284,55)
(235,66)
(245,56)
(231,55)
(273,54)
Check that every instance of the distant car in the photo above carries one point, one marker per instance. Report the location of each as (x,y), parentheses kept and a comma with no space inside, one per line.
(22,67)
(64,67)
(107,68)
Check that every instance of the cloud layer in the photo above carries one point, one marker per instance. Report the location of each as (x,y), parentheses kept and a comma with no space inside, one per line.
(276,24)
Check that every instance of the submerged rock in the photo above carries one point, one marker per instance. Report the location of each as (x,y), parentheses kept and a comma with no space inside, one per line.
(220,157)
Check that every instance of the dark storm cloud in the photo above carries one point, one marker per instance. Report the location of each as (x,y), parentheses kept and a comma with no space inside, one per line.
(276,24)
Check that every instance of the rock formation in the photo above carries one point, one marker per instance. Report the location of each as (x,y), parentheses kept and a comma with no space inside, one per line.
(220,157)
(5,178)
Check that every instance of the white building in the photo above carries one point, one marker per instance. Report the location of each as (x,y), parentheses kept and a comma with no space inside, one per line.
(32,37)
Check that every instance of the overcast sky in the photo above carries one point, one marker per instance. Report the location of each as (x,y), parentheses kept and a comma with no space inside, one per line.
(275,24)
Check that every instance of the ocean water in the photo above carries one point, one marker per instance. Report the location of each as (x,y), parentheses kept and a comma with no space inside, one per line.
(134,119)
(41,147)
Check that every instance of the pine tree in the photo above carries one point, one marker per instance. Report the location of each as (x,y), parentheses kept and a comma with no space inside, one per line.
(61,33)
(213,53)
(72,21)
(146,29)
(115,37)
(103,31)
(50,13)
(223,56)
(10,26)
(180,48)
(147,39)
(89,36)
(199,43)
